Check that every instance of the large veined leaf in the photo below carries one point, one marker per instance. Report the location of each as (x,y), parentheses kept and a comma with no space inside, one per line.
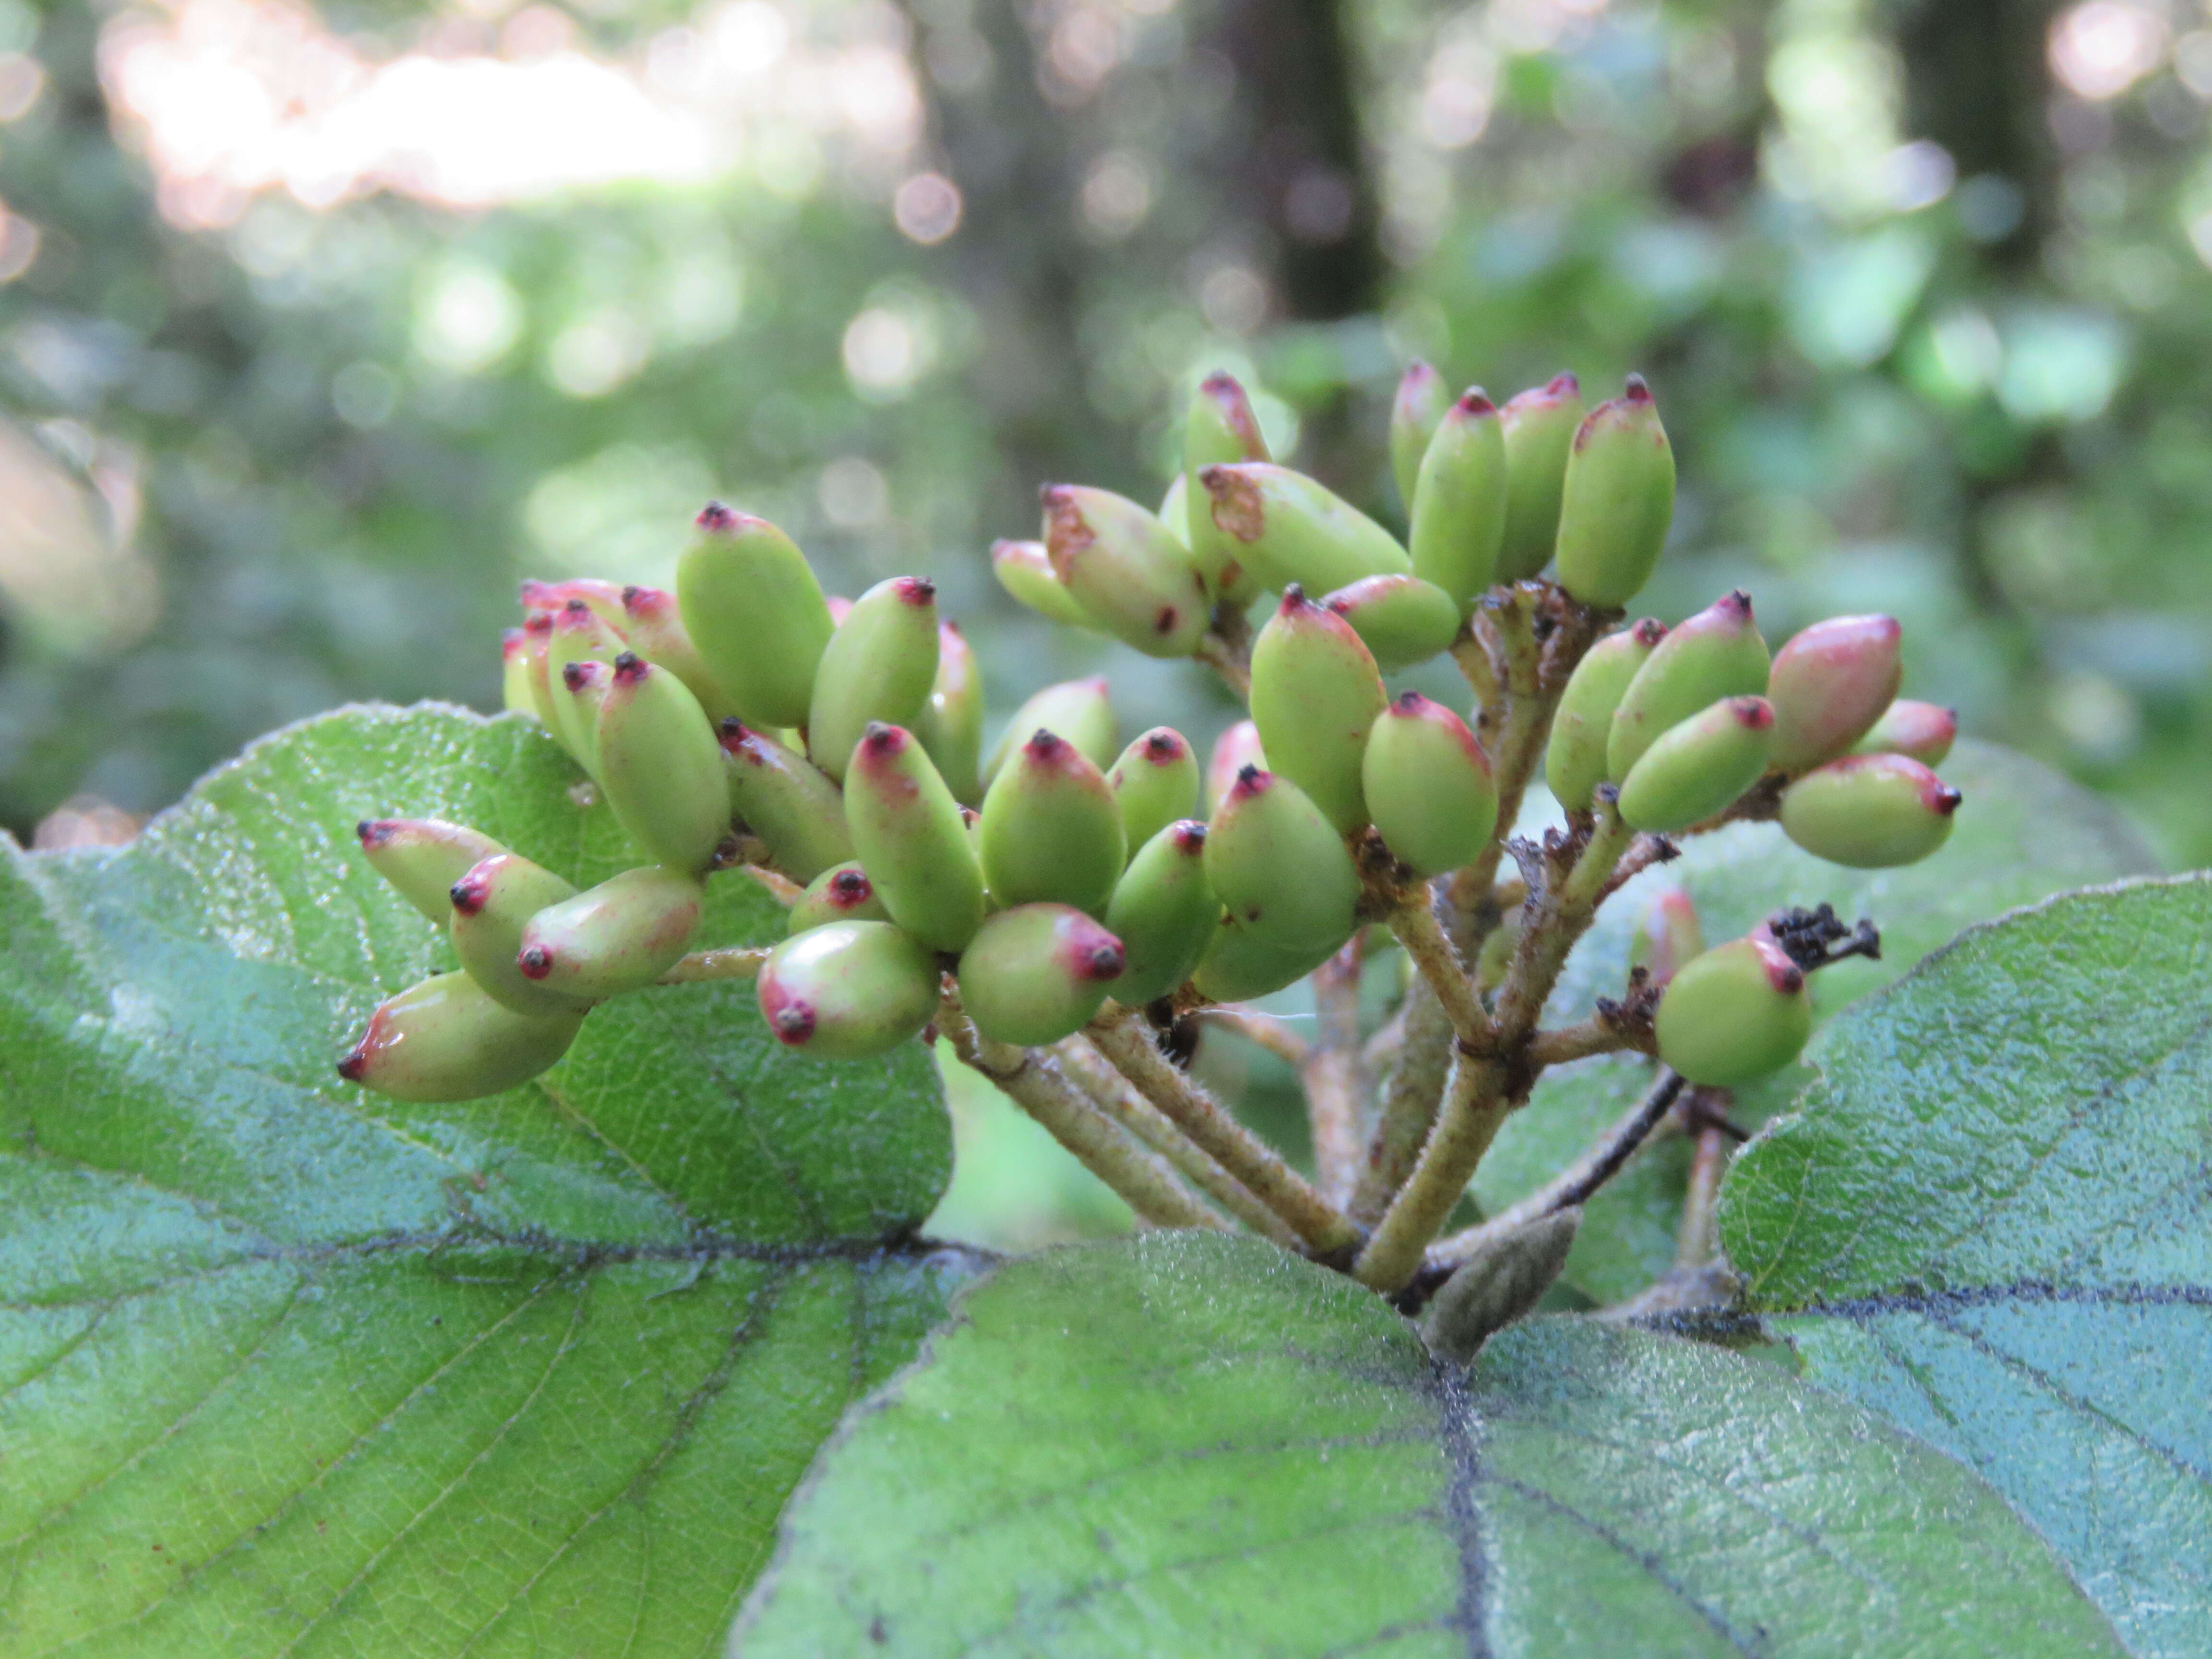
(1194,1445)
(2023,833)
(286,1368)
(1991,1221)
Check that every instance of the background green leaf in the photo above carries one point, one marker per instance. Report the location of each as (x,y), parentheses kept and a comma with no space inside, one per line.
(2023,833)
(1991,1221)
(1195,1445)
(287,1367)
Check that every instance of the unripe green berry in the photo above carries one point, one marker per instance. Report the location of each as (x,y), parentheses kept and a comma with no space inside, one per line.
(1415,414)
(491,904)
(1287,528)
(537,666)
(1717,653)
(1829,684)
(1735,1014)
(754,615)
(1869,811)
(1237,748)
(1616,500)
(1666,936)
(1698,767)
(1163,912)
(1316,692)
(660,766)
(1237,966)
(602,597)
(1024,570)
(1428,786)
(1220,429)
(1123,567)
(841,893)
(619,936)
(1575,762)
(445,1040)
(1921,731)
(950,723)
(911,839)
(1037,973)
(423,858)
(1402,619)
(587,684)
(1539,434)
(879,666)
(848,990)
(785,800)
(1459,502)
(580,635)
(1052,830)
(1079,710)
(515,694)
(654,623)
(1154,782)
(1279,867)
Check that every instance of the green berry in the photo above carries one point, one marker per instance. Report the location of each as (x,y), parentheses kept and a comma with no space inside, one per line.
(1717,653)
(1078,710)
(848,990)
(1287,528)
(950,723)
(654,622)
(1402,619)
(586,685)
(1237,748)
(445,1040)
(1459,502)
(1539,434)
(491,904)
(1163,912)
(1220,430)
(1869,811)
(1052,830)
(602,597)
(879,666)
(1280,867)
(1666,936)
(1154,782)
(1735,1014)
(660,766)
(617,937)
(755,614)
(1415,414)
(1130,576)
(1037,973)
(1829,684)
(1316,692)
(515,694)
(911,839)
(1616,500)
(1429,785)
(1923,730)
(841,893)
(580,635)
(1238,966)
(785,800)
(537,666)
(423,858)
(1699,767)
(1575,763)
(1024,570)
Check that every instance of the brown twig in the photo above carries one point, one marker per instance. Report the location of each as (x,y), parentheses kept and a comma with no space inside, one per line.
(1335,1086)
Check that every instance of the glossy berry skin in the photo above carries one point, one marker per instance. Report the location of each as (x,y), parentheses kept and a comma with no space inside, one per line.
(1698,767)
(879,666)
(1220,429)
(1052,830)
(1155,782)
(1037,973)
(1402,619)
(1287,528)
(1459,502)
(445,1040)
(1829,684)
(841,893)
(1616,500)
(1121,565)
(1279,867)
(1079,710)
(1540,427)
(1237,748)
(1920,731)
(1024,570)
(580,635)
(950,723)
(1237,966)
(755,614)
(617,937)
(654,623)
(1316,692)
(785,801)
(911,839)
(848,990)
(491,904)
(1736,1014)
(423,858)
(1163,912)
(515,695)
(1717,653)
(1428,786)
(1415,414)
(1575,763)
(660,766)
(1666,936)
(1869,811)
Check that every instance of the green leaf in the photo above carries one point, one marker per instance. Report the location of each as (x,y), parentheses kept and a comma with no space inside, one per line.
(2023,833)
(1991,1222)
(285,1367)
(1196,1445)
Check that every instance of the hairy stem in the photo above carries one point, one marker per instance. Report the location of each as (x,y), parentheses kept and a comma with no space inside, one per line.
(1598,1035)
(1262,1031)
(1335,1085)
(732,962)
(1426,943)
(1696,1244)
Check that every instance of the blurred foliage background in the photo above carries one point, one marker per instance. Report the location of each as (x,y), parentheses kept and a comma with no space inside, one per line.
(320,327)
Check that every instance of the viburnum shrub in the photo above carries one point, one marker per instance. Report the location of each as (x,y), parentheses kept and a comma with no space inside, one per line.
(524,1344)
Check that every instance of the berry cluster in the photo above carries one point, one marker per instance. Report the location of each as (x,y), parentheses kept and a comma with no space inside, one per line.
(834,750)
